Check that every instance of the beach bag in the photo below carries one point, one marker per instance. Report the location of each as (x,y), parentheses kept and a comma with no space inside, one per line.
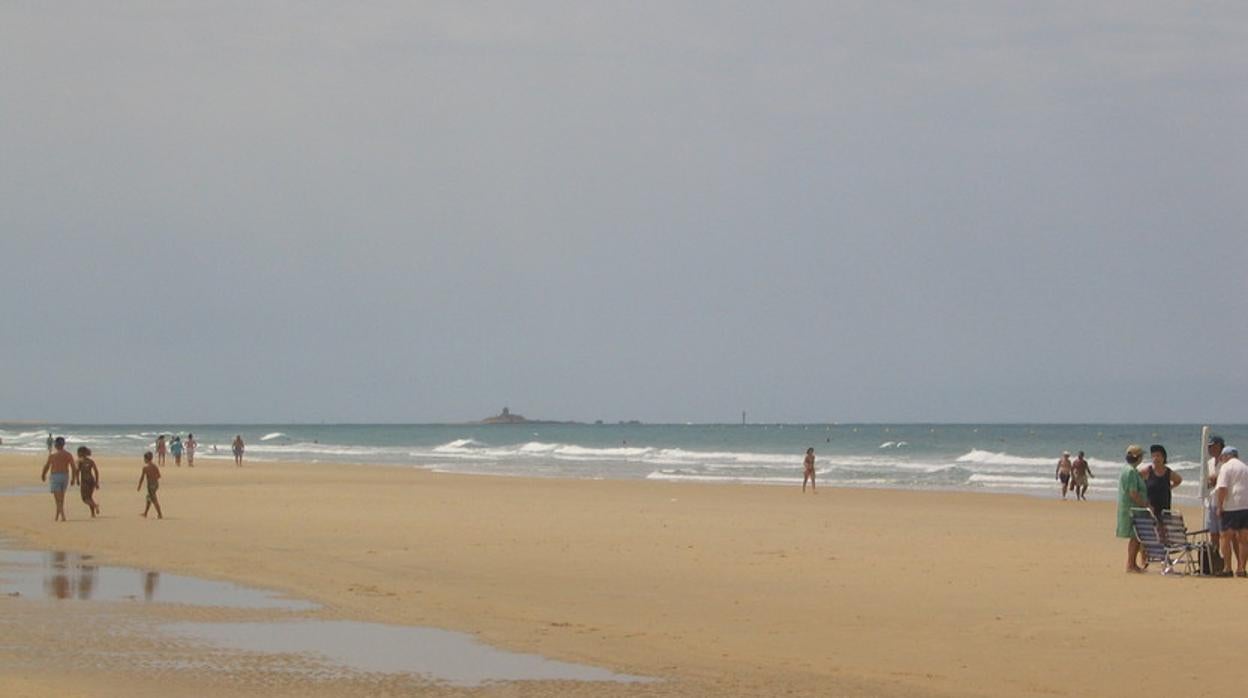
(1210,559)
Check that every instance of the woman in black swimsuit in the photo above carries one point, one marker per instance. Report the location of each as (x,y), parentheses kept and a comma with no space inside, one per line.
(88,477)
(1160,478)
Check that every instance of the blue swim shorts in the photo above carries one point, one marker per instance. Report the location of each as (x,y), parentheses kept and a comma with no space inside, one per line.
(58,482)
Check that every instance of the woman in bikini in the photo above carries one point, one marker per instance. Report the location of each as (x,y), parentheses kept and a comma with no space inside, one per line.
(810,470)
(88,476)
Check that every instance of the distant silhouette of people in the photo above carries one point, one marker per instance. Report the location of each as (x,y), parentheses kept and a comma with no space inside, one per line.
(161,449)
(809,474)
(176,449)
(191,444)
(238,450)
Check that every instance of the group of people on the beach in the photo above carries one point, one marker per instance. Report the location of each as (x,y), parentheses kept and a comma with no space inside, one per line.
(174,446)
(1149,485)
(1226,505)
(62,471)
(1073,474)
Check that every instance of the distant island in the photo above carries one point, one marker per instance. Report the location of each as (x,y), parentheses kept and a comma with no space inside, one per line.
(509,417)
(505,417)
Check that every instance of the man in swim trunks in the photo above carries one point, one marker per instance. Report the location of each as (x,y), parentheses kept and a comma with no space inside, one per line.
(1231,502)
(151,473)
(1080,472)
(1063,472)
(59,462)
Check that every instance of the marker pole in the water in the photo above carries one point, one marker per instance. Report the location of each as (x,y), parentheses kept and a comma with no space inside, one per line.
(1200,458)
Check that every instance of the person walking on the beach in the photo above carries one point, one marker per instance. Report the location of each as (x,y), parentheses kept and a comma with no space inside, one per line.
(176,449)
(1231,495)
(50,442)
(87,477)
(190,450)
(238,450)
(1080,472)
(161,449)
(1159,478)
(1213,522)
(60,463)
(151,473)
(1063,472)
(809,463)
(1131,491)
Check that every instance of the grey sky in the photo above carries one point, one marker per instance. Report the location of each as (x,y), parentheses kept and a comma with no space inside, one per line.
(666,211)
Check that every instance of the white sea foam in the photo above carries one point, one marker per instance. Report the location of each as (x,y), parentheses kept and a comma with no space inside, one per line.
(270,437)
(456,445)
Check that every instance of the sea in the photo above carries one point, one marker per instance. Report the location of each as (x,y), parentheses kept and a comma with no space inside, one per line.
(1004,458)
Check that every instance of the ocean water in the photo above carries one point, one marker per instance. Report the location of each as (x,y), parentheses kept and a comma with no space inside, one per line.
(986,457)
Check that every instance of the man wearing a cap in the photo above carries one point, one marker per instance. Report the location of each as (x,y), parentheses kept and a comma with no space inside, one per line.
(1214,524)
(1231,497)
(1131,493)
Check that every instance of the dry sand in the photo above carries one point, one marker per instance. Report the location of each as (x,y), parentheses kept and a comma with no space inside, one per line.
(718,589)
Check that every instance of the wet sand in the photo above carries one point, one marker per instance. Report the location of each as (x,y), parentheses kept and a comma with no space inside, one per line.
(718,589)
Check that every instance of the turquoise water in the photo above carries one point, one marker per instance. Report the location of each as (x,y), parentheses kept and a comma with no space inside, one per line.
(985,457)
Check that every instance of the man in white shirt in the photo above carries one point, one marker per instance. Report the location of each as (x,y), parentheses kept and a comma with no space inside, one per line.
(1212,523)
(1231,496)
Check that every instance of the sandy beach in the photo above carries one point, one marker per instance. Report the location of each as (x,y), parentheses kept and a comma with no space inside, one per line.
(716,589)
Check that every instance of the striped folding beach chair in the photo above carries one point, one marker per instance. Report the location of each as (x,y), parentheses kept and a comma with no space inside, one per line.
(1167,544)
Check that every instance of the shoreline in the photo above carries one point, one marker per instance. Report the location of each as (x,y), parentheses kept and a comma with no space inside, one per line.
(728,590)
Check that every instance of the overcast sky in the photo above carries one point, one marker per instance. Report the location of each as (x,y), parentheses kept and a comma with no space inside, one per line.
(669,211)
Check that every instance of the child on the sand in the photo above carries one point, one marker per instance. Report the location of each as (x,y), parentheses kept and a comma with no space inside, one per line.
(151,473)
(88,477)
